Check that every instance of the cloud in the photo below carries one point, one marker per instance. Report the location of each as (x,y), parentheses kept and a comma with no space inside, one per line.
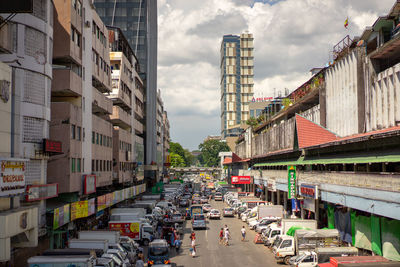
(290,38)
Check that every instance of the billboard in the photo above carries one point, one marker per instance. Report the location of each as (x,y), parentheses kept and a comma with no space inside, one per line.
(12,177)
(41,191)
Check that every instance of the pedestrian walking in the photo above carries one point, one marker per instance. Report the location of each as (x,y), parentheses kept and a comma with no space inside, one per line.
(192,235)
(227,237)
(221,236)
(243,230)
(139,261)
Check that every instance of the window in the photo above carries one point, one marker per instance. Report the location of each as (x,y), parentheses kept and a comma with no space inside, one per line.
(97,165)
(101,139)
(72,131)
(78,165)
(93,165)
(94,27)
(93,139)
(104,165)
(72,165)
(79,8)
(78,129)
(74,4)
(97,138)
(83,134)
(286,244)
(83,165)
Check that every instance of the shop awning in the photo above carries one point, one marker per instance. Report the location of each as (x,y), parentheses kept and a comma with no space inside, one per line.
(354,159)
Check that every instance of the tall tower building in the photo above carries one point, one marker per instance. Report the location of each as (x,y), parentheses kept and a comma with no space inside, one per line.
(138,21)
(237,86)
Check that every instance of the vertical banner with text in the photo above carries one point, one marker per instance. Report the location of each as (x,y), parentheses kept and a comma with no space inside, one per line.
(291,182)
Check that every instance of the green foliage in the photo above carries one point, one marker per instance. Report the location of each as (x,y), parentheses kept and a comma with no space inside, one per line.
(177,149)
(252,122)
(210,150)
(176,160)
(189,158)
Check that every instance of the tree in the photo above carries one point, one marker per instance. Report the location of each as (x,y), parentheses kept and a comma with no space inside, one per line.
(176,160)
(210,150)
(189,158)
(252,122)
(177,149)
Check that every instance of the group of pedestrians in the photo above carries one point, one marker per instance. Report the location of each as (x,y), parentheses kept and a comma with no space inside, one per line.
(225,235)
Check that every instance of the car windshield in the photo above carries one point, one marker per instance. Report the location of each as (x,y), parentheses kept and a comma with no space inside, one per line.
(199,217)
(214,211)
(158,250)
(229,209)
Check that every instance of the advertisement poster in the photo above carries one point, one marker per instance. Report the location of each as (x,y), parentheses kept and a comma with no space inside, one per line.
(61,216)
(126,229)
(241,179)
(101,202)
(79,209)
(12,177)
(109,199)
(91,206)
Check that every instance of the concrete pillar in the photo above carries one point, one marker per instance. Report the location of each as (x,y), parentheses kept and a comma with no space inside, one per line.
(278,196)
(285,201)
(273,197)
(317,210)
(302,211)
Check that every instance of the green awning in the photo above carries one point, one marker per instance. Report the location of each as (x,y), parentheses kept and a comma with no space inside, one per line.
(335,160)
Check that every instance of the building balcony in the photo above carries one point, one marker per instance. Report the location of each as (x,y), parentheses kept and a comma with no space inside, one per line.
(120,98)
(101,104)
(100,79)
(139,95)
(120,117)
(66,83)
(138,126)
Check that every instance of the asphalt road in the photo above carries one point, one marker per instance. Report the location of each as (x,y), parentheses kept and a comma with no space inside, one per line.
(210,253)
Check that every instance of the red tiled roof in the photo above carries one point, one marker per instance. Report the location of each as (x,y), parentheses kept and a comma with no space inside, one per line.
(355,136)
(236,158)
(312,134)
(227,160)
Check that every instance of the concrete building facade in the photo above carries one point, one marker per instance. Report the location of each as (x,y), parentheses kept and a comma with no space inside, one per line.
(138,21)
(237,85)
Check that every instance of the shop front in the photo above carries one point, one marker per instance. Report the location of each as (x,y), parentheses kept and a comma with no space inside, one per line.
(309,201)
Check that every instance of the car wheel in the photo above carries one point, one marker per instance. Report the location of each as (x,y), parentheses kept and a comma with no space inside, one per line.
(286,260)
(146,242)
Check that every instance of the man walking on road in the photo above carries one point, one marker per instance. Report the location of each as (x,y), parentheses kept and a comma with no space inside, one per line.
(243,230)
(227,237)
(221,235)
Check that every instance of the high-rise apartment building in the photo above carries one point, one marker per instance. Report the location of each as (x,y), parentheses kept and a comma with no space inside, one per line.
(237,86)
(138,21)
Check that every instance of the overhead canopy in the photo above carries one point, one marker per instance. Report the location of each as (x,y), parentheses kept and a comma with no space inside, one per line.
(348,159)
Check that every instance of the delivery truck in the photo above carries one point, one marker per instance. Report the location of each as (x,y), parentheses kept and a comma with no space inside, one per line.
(282,226)
(62,261)
(304,240)
(148,205)
(139,211)
(156,197)
(264,211)
(359,261)
(321,255)
(135,229)
(113,237)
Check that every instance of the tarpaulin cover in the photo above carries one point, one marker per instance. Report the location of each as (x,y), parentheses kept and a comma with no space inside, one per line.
(331,216)
(343,224)
(294,228)
(362,234)
(376,243)
(390,230)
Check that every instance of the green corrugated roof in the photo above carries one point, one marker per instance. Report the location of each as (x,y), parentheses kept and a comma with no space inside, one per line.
(335,160)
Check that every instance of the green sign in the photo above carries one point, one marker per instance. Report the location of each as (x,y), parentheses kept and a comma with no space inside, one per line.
(291,182)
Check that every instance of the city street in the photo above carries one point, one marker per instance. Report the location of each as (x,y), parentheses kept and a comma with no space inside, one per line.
(210,253)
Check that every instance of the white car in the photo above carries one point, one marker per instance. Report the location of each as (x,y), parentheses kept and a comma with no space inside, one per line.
(214,214)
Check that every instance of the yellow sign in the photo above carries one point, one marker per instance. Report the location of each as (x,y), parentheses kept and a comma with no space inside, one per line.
(79,209)
(134,227)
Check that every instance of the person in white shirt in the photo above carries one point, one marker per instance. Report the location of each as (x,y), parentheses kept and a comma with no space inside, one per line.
(243,230)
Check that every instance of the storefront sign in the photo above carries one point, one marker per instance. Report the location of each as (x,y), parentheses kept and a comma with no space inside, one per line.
(271,185)
(295,205)
(101,203)
(291,182)
(50,146)
(89,184)
(309,204)
(42,191)
(241,179)
(61,216)
(109,199)
(79,209)
(308,190)
(12,177)
(262,99)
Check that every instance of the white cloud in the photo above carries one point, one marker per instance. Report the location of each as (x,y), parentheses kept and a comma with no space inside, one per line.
(290,38)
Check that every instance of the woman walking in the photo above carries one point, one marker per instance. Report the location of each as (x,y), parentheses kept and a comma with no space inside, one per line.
(243,230)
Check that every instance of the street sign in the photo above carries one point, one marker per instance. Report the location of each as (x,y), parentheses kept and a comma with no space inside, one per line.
(291,182)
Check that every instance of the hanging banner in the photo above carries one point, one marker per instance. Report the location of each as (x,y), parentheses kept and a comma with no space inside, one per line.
(291,182)
(241,179)
(61,216)
(101,202)
(109,199)
(79,209)
(91,206)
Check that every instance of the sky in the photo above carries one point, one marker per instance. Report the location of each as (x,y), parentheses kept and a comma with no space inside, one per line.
(290,38)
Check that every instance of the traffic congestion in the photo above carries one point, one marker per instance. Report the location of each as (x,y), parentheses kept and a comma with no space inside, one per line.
(197,222)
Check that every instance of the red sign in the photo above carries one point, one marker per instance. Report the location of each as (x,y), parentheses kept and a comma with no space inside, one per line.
(241,179)
(310,191)
(52,146)
(126,228)
(89,184)
(42,191)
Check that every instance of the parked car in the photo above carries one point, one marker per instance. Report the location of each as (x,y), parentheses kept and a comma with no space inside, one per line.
(218,196)
(214,214)
(203,200)
(207,208)
(227,212)
(184,202)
